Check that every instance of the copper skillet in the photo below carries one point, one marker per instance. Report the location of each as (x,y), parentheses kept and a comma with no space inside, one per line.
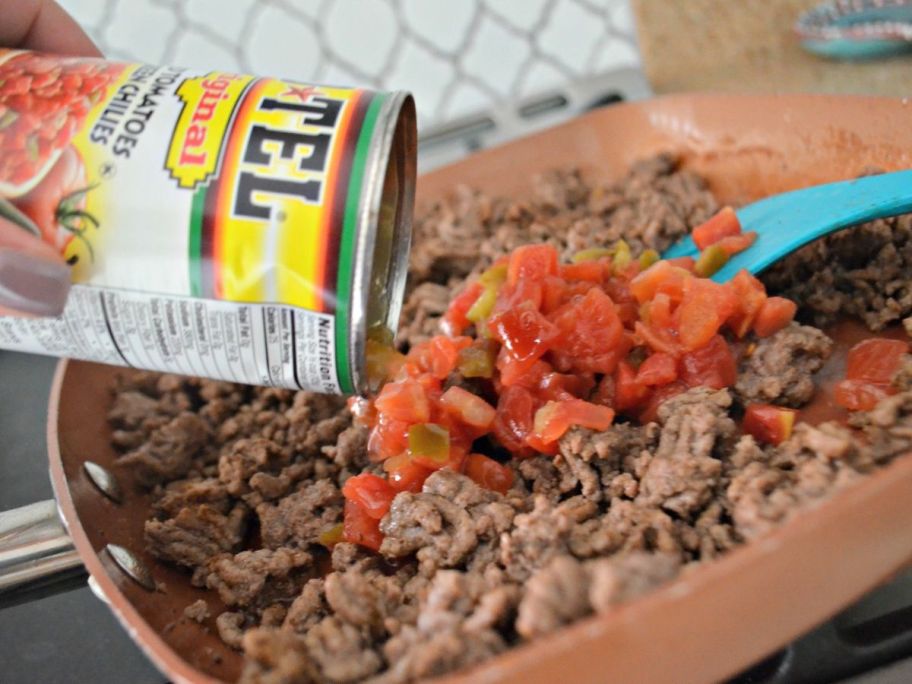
(711,623)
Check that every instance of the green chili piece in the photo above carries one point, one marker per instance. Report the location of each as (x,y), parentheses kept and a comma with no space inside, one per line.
(477,361)
(430,441)
(494,276)
(331,536)
(622,255)
(711,260)
(483,306)
(592,254)
(648,258)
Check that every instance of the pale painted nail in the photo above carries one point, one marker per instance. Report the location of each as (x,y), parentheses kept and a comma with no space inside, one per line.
(33,285)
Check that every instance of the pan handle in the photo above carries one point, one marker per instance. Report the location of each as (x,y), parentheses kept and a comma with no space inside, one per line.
(35,548)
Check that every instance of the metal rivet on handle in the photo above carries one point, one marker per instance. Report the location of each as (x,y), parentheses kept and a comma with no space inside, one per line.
(131,565)
(103,479)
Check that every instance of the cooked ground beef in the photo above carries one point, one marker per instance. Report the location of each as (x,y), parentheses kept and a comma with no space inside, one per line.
(780,368)
(245,480)
(862,272)
(198,611)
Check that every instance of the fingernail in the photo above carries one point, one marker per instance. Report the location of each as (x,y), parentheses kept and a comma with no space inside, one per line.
(33,285)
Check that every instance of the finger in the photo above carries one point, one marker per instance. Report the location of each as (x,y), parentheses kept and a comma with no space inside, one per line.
(34,279)
(43,25)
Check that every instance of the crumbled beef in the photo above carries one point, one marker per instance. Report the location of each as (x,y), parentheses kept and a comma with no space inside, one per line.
(444,522)
(902,379)
(350,449)
(341,652)
(454,628)
(196,534)
(684,469)
(806,468)
(246,458)
(230,626)
(198,611)
(131,409)
(862,272)
(780,369)
(169,452)
(423,310)
(364,597)
(274,656)
(555,595)
(258,577)
(540,535)
(623,578)
(298,519)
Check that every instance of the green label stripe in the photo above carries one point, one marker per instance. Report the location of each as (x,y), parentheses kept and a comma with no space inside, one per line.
(197,210)
(347,245)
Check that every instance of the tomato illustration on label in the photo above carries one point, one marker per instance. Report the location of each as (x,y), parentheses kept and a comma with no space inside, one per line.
(57,205)
(43,105)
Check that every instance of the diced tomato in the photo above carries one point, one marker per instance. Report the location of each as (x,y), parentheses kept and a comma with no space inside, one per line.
(454,320)
(660,311)
(404,400)
(750,294)
(513,423)
(524,332)
(591,337)
(661,340)
(371,492)
(769,424)
(733,244)
(404,474)
(859,395)
(360,528)
(591,271)
(557,386)
(712,365)
(645,286)
(774,315)
(723,224)
(387,438)
(870,367)
(471,409)
(628,393)
(524,293)
(875,360)
(554,418)
(706,306)
(554,291)
(532,378)
(488,473)
(531,263)
(440,354)
(539,446)
(662,394)
(657,369)
(685,263)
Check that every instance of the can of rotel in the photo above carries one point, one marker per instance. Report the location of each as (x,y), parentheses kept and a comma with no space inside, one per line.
(218,224)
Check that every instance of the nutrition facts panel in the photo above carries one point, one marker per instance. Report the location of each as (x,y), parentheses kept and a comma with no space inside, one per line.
(260,344)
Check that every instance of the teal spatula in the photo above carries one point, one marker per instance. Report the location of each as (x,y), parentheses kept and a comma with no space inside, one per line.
(786,222)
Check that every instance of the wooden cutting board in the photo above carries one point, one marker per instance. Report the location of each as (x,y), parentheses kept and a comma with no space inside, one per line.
(736,46)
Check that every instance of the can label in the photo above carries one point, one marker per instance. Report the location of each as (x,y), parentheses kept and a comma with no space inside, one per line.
(209,217)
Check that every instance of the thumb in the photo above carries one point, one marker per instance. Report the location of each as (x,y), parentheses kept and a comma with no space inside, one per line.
(34,279)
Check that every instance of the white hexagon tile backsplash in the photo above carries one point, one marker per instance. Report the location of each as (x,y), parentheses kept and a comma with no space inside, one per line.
(457,56)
